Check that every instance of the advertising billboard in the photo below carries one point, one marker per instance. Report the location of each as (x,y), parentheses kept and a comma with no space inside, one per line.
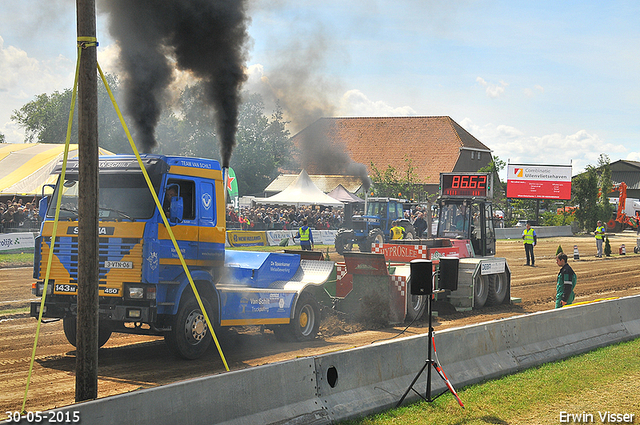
(539,181)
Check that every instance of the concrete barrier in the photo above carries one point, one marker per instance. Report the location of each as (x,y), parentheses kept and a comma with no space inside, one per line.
(342,385)
(541,231)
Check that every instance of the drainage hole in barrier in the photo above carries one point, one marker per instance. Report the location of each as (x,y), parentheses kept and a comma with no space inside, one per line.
(332,376)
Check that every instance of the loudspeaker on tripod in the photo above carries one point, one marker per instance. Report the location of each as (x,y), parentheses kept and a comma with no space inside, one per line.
(421,277)
(448,273)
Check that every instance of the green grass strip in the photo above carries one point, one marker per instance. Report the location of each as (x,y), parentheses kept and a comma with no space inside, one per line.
(603,381)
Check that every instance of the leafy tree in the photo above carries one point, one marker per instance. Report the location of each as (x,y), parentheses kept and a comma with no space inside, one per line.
(396,183)
(585,195)
(45,119)
(605,184)
(499,193)
(2,139)
(263,145)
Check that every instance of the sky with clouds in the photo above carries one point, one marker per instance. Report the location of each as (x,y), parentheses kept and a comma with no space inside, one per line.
(543,82)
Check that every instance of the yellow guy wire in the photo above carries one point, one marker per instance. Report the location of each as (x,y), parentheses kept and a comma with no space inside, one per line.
(164,217)
(82,43)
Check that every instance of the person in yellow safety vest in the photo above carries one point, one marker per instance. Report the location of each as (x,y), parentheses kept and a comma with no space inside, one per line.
(397,232)
(599,232)
(306,237)
(530,240)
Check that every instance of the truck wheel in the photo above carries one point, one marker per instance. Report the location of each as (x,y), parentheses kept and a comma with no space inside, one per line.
(69,326)
(306,321)
(189,337)
(497,290)
(480,291)
(344,241)
(416,304)
(375,236)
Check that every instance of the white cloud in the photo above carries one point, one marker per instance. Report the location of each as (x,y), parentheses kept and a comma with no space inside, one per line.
(356,103)
(532,92)
(633,156)
(512,145)
(493,90)
(23,77)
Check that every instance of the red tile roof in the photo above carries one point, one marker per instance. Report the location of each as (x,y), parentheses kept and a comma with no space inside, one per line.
(432,143)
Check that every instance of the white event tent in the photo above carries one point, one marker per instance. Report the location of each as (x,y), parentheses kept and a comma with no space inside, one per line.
(301,191)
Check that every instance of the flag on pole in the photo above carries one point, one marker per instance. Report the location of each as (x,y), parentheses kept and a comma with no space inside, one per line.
(232,189)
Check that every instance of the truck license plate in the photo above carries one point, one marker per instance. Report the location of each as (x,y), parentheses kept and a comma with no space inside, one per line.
(64,287)
(118,264)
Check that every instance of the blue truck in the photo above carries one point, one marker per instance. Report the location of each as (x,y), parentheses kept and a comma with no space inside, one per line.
(143,288)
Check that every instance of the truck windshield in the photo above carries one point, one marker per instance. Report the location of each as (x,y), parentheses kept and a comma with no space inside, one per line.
(453,221)
(121,197)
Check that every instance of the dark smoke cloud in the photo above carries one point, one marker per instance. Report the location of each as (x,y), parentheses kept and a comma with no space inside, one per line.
(320,156)
(206,37)
(297,80)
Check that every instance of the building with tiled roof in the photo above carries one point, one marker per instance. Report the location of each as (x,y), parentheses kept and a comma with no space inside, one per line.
(629,173)
(433,144)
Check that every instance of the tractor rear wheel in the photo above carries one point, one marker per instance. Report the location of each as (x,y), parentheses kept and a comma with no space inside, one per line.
(416,304)
(344,241)
(409,231)
(498,288)
(480,291)
(375,237)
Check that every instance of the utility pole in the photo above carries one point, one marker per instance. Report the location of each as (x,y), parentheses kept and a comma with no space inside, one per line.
(88,273)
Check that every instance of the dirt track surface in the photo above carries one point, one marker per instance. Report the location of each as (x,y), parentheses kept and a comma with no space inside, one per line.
(130,362)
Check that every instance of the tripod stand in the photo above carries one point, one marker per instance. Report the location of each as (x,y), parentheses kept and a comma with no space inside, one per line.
(429,363)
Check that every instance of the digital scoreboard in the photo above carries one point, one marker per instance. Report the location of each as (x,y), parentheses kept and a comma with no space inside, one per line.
(466,185)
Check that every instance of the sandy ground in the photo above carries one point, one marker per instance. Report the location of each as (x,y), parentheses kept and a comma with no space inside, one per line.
(130,362)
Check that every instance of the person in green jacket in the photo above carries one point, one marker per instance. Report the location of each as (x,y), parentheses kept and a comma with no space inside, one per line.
(566,282)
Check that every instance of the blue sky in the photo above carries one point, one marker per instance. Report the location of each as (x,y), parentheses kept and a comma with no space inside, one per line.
(542,82)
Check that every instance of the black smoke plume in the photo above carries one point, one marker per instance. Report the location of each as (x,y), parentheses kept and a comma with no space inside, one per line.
(321,156)
(206,37)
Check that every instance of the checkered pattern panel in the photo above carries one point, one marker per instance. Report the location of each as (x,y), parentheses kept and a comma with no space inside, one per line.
(399,283)
(376,248)
(422,251)
(341,271)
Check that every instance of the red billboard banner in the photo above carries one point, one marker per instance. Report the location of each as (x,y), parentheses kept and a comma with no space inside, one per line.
(539,181)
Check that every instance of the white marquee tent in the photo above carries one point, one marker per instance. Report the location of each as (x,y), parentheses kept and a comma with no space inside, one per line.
(301,191)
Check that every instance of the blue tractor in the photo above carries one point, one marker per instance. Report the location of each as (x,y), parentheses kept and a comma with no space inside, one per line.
(374,225)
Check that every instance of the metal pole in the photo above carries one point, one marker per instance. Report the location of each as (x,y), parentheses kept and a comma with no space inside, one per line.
(87,319)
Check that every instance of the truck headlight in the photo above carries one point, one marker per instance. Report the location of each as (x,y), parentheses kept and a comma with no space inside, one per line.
(37,288)
(136,292)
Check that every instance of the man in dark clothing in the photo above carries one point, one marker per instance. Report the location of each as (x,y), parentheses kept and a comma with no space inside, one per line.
(420,225)
(566,282)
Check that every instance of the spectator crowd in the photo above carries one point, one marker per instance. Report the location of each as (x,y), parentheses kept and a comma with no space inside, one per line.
(18,214)
(284,218)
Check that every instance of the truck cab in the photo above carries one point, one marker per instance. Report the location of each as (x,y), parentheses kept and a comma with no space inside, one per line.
(143,286)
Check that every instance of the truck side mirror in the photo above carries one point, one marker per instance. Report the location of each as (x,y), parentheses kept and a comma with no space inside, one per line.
(42,207)
(176,211)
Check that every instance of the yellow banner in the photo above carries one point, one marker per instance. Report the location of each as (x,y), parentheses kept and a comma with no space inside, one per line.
(246,238)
